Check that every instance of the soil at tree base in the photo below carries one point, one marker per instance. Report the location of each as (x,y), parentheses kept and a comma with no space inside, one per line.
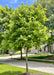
(30,74)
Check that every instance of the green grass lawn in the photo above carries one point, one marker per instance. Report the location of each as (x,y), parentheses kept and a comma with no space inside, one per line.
(41,56)
(43,61)
(12,70)
(4,55)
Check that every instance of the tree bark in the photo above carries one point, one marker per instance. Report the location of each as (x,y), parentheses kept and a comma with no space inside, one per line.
(21,55)
(48,48)
(26,60)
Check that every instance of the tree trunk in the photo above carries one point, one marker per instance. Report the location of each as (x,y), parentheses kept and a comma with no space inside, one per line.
(48,48)
(26,60)
(21,54)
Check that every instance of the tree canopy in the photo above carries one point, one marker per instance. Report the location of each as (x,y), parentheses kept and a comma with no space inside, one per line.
(25,28)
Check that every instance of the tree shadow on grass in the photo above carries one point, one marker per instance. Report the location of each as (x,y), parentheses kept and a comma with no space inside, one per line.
(1,63)
(11,73)
(41,57)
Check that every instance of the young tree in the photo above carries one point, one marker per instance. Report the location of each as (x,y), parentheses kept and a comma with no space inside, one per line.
(27,28)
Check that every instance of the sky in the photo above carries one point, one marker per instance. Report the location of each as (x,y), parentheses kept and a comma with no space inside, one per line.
(15,3)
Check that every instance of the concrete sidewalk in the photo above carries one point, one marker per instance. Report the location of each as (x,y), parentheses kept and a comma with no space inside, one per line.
(14,56)
(44,67)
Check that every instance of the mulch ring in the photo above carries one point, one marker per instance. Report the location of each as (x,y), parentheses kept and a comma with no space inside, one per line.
(50,58)
(30,74)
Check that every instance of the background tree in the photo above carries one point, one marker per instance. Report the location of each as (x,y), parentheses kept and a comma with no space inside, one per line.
(1,37)
(5,18)
(49,5)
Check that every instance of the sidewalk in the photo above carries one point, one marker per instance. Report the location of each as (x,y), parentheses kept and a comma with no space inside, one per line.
(44,67)
(14,56)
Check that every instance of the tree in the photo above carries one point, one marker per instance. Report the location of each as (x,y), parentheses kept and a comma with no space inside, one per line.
(19,47)
(5,18)
(51,22)
(27,28)
(49,5)
(1,37)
